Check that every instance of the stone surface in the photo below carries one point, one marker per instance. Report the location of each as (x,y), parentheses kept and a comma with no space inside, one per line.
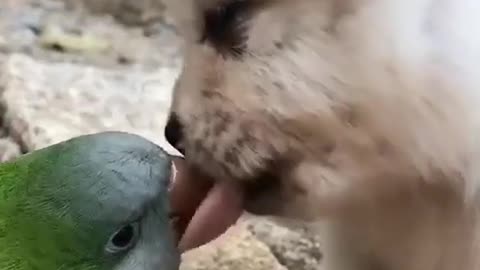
(138,12)
(27,27)
(45,103)
(295,247)
(238,249)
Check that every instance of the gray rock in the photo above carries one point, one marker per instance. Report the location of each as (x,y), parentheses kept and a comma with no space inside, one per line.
(50,30)
(46,103)
(294,246)
(237,249)
(138,12)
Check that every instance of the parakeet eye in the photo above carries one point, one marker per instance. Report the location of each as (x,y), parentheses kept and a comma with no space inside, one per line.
(124,238)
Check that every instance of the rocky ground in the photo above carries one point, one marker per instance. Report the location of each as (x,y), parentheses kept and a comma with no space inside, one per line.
(70,67)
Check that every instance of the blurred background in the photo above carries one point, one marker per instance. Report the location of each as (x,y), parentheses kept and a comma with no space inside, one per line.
(70,67)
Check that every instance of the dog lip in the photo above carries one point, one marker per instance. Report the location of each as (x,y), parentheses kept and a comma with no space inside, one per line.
(202,209)
(219,210)
(185,196)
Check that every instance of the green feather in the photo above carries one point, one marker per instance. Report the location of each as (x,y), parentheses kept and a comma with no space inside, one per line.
(60,205)
(35,208)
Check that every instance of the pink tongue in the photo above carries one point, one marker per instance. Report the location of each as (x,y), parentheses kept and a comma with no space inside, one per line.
(217,212)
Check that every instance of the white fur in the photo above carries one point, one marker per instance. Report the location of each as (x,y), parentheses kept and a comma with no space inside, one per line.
(394,85)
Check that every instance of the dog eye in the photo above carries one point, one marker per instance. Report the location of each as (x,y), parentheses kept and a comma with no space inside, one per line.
(225,27)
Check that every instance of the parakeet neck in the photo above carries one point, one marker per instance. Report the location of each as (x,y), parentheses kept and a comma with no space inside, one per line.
(36,230)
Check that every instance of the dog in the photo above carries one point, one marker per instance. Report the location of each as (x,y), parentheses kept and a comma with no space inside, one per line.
(360,114)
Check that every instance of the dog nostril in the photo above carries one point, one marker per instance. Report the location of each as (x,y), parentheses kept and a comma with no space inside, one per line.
(173,131)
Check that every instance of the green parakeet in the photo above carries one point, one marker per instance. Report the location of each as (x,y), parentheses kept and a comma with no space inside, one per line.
(94,202)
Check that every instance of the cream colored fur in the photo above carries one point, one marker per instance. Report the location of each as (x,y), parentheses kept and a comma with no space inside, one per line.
(369,111)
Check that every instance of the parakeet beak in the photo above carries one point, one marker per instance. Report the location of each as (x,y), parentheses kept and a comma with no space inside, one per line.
(201,209)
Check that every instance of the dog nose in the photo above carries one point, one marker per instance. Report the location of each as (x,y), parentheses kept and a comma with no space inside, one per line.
(174,131)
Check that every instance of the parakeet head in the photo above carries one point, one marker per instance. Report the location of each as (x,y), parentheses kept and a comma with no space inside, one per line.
(95,202)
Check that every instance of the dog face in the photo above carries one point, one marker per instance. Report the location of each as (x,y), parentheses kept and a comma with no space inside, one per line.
(245,76)
(307,101)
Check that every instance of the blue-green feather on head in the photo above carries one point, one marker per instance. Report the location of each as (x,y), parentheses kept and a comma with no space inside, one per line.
(94,202)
